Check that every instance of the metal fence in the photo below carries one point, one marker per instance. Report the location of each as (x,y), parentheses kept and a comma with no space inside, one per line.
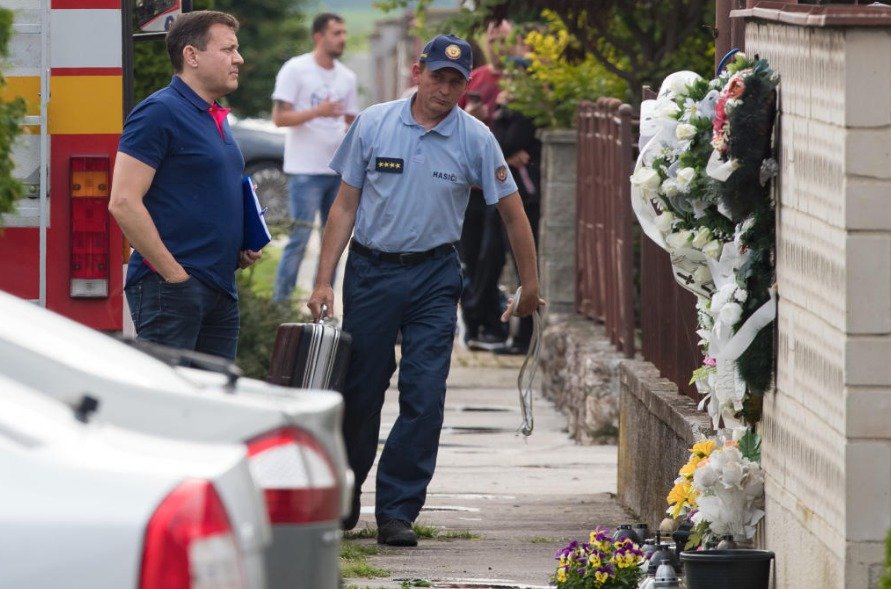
(604,237)
(615,268)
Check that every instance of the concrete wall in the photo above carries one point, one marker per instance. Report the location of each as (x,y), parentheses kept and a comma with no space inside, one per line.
(827,429)
(657,427)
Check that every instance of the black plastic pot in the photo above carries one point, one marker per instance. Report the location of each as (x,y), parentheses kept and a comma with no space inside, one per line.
(727,569)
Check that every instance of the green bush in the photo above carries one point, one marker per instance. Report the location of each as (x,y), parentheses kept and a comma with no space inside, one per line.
(885,581)
(260,318)
(11,112)
(551,87)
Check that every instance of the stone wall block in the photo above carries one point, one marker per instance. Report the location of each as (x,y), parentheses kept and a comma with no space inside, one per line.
(867,203)
(557,230)
(867,361)
(867,412)
(580,375)
(807,456)
(812,180)
(868,276)
(810,363)
(811,266)
(867,66)
(868,495)
(811,560)
(868,152)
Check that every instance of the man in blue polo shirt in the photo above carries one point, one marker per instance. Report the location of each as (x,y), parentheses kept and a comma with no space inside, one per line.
(407,167)
(177,194)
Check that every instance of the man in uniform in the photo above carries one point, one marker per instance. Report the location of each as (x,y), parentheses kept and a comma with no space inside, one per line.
(407,167)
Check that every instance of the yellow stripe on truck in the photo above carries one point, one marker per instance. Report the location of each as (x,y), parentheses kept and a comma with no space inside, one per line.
(27,87)
(82,105)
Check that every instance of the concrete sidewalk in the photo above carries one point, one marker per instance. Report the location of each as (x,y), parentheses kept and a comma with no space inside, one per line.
(521,498)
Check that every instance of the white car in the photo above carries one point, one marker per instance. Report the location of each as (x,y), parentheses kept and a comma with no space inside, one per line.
(86,505)
(293,436)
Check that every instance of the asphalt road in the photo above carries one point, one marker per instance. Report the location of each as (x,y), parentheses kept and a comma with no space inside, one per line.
(521,499)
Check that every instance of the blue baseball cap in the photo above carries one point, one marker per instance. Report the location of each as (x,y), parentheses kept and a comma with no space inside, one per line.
(448,51)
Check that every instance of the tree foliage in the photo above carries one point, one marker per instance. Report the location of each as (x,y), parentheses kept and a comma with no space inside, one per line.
(11,112)
(271,32)
(640,42)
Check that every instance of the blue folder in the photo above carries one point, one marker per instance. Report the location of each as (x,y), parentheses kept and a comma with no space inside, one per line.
(256,233)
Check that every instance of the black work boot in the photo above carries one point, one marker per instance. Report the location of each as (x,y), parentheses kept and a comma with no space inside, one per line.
(395,532)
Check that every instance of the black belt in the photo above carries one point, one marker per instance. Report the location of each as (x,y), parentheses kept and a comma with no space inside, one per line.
(405,259)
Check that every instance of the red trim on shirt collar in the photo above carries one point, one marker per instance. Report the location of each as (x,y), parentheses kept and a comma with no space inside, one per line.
(218,113)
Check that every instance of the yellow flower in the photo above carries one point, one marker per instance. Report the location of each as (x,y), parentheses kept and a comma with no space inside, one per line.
(682,495)
(561,575)
(594,561)
(688,469)
(601,577)
(703,448)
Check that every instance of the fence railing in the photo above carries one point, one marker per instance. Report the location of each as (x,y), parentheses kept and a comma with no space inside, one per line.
(610,278)
(604,237)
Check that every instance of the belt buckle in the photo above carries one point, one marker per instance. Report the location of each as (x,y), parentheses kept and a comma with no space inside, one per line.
(405,259)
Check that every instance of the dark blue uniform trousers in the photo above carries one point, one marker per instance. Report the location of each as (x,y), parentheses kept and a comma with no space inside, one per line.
(381,298)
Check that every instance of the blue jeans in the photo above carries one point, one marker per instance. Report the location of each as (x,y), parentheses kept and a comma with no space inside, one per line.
(310,193)
(380,299)
(188,315)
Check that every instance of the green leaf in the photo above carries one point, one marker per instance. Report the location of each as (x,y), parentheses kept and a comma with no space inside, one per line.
(750,446)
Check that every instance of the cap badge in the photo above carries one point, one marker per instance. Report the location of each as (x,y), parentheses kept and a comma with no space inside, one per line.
(453,52)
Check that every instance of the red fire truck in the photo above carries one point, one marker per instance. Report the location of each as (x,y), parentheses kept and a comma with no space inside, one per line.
(70,61)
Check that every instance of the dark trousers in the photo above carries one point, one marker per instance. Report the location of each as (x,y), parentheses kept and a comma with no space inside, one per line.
(380,299)
(187,315)
(483,255)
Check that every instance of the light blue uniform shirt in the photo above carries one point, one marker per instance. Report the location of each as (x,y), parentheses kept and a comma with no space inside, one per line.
(415,183)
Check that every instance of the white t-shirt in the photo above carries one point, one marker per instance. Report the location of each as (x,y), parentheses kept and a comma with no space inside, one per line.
(304,83)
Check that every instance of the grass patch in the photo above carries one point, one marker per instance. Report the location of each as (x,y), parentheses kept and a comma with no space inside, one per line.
(543,540)
(434,533)
(353,552)
(416,583)
(362,569)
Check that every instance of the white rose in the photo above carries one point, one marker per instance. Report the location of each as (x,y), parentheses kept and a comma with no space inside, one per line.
(702,237)
(685,177)
(646,178)
(670,187)
(685,132)
(702,275)
(731,313)
(666,109)
(741,295)
(679,240)
(732,474)
(664,222)
(705,477)
(712,249)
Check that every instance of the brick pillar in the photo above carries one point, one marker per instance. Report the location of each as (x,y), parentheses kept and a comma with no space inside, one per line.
(558,218)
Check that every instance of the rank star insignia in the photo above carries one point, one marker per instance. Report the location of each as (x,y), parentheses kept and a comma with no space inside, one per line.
(389,165)
(453,52)
(501,173)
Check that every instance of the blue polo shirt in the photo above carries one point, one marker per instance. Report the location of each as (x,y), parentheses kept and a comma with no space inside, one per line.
(415,183)
(195,198)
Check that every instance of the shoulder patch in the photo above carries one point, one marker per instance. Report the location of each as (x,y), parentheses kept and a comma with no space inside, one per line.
(501,173)
(389,165)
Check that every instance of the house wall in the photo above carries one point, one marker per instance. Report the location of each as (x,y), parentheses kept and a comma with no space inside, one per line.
(827,427)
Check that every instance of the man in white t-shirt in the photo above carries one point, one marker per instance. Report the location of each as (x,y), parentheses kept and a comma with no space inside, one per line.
(315,98)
